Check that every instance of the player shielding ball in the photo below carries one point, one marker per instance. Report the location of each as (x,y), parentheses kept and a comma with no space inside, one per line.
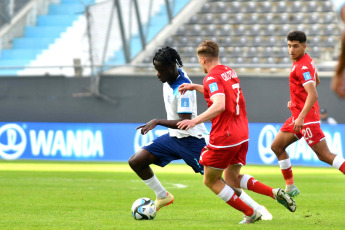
(228,145)
(305,119)
(177,144)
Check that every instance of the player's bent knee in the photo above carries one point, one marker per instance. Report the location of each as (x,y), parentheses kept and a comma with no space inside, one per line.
(277,149)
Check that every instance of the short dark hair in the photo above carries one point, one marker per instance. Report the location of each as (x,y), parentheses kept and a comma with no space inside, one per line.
(297,36)
(167,56)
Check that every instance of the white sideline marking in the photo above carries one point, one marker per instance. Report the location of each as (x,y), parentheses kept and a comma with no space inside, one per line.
(180,185)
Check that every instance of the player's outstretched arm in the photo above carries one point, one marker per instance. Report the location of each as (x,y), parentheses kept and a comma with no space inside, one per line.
(187,86)
(166,123)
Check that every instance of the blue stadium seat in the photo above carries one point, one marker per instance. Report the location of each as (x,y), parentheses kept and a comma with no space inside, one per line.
(224,19)
(251,7)
(235,7)
(252,52)
(296,7)
(281,7)
(312,6)
(266,7)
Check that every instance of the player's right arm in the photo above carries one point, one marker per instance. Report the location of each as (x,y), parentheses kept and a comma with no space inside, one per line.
(187,86)
(309,103)
(166,123)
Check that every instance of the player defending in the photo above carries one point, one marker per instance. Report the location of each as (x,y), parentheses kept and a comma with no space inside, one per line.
(178,144)
(228,145)
(305,119)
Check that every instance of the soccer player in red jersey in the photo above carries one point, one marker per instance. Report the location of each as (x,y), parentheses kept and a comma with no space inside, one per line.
(228,145)
(305,119)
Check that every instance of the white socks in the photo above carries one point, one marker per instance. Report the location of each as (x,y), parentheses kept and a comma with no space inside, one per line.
(249,201)
(244,181)
(338,161)
(285,164)
(226,193)
(156,186)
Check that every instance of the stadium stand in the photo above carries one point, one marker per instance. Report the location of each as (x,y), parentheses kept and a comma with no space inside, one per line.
(251,34)
(59,37)
(254,32)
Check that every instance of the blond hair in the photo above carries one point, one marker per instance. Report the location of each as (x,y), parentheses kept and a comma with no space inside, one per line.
(208,49)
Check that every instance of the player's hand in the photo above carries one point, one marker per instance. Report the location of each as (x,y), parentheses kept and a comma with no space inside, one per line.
(186,124)
(289,104)
(184,87)
(297,124)
(148,126)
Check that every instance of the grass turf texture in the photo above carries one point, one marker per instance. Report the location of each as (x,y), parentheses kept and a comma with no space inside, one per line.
(65,195)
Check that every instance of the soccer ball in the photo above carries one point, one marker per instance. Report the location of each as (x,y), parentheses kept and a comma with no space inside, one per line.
(144,209)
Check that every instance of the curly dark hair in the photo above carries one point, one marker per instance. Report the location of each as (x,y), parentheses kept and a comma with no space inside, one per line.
(168,56)
(297,36)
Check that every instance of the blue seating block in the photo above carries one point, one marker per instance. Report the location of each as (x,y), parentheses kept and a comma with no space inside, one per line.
(56,20)
(20,54)
(44,31)
(66,9)
(32,43)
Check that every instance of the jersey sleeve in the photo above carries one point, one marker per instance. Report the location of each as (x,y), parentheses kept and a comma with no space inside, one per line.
(306,75)
(214,86)
(185,103)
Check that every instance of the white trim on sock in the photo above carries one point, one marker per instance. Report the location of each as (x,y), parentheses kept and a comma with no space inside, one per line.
(285,164)
(156,186)
(244,181)
(338,161)
(249,201)
(226,193)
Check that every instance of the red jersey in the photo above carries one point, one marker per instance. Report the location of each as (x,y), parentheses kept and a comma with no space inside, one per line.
(302,73)
(230,128)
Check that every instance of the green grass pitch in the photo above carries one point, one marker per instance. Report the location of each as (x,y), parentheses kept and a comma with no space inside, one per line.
(65,195)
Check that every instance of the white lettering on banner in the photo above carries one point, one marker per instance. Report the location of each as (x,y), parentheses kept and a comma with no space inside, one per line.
(298,150)
(82,143)
(13,141)
(142,140)
(334,144)
(265,140)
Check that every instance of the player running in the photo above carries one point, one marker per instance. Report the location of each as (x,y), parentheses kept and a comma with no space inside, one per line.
(177,144)
(305,119)
(228,145)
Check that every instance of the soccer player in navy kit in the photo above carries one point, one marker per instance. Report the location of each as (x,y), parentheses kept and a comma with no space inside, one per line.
(177,144)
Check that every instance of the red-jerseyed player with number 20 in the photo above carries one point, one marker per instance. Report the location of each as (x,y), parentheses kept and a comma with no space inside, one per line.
(305,119)
(228,145)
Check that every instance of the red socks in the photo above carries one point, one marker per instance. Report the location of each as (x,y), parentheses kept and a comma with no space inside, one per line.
(258,187)
(238,204)
(342,168)
(287,174)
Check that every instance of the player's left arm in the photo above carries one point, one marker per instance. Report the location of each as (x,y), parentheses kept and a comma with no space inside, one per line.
(317,79)
(310,101)
(217,107)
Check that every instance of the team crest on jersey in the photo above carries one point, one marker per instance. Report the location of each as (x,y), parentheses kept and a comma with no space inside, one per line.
(304,67)
(306,76)
(213,87)
(210,78)
(184,102)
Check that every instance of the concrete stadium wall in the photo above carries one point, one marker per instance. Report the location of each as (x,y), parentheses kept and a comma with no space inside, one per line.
(138,99)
